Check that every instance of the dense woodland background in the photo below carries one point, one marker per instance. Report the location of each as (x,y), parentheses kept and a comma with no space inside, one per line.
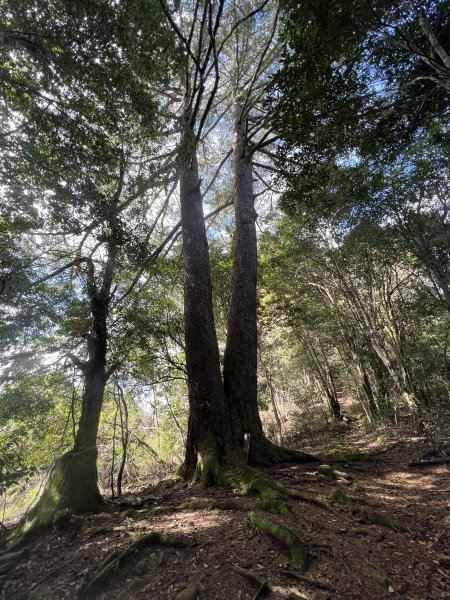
(126,126)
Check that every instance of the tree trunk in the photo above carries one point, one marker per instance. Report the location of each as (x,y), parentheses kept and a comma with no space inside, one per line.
(335,407)
(240,358)
(204,446)
(362,374)
(72,483)
(273,402)
(95,376)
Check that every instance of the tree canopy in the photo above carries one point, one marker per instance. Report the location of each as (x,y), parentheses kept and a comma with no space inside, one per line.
(224,231)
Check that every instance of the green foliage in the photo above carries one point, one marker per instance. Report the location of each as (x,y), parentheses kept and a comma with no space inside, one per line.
(34,425)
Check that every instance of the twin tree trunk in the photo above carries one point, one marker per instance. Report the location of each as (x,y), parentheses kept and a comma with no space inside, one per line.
(222,412)
(241,352)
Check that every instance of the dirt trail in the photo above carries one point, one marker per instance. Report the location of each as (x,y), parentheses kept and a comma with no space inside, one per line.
(351,558)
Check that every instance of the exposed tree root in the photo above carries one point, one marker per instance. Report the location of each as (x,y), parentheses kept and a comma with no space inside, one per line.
(363,513)
(328,471)
(346,453)
(272,494)
(192,592)
(263,453)
(387,448)
(308,497)
(298,550)
(266,588)
(213,505)
(9,560)
(202,505)
(427,463)
(121,558)
(311,582)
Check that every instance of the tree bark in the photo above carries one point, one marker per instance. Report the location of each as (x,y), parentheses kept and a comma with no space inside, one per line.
(240,358)
(73,480)
(204,446)
(95,378)
(95,375)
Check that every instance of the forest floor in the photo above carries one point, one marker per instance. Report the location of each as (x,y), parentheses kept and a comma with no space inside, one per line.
(406,555)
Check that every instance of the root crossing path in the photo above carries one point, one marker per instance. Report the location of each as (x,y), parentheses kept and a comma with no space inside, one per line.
(365,523)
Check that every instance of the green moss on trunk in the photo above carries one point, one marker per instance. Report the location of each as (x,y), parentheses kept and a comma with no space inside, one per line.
(72,484)
(207,471)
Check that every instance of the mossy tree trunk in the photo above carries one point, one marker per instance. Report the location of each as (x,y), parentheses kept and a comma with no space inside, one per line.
(72,482)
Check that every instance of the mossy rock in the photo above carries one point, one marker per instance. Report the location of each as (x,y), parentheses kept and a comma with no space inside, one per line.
(326,470)
(339,497)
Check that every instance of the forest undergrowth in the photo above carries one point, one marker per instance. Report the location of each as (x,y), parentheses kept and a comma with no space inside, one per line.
(369,520)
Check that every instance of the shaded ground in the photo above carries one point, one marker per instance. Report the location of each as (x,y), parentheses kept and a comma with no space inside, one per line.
(350,558)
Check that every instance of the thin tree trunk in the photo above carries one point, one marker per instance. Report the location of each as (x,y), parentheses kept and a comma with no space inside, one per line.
(335,407)
(113,459)
(123,412)
(95,376)
(271,392)
(73,480)
(362,373)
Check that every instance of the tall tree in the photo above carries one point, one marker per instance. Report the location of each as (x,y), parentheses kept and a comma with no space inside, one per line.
(87,112)
(205,437)
(214,437)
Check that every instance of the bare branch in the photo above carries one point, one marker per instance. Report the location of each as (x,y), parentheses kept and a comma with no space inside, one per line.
(186,43)
(81,364)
